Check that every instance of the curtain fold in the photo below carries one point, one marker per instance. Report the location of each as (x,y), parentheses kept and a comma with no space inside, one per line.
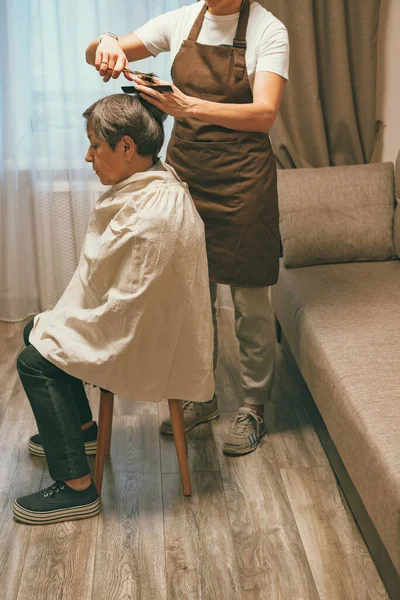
(328,112)
(46,189)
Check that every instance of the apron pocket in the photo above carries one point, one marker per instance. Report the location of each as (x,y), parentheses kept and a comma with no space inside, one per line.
(211,169)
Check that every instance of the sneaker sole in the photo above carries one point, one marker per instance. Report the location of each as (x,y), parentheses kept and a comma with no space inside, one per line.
(37,450)
(228,451)
(30,517)
(234,451)
(166,431)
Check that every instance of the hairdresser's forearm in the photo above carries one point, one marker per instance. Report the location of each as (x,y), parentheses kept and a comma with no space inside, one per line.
(256,116)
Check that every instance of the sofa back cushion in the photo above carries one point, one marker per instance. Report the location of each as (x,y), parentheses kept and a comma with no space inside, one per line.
(397,211)
(337,214)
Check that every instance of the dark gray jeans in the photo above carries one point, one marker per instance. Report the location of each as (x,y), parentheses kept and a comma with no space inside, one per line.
(60,406)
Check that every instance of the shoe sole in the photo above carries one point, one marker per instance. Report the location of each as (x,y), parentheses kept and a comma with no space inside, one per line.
(30,517)
(189,428)
(228,452)
(232,451)
(37,450)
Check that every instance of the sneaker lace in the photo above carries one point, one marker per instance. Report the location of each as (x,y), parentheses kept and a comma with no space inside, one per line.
(243,423)
(53,489)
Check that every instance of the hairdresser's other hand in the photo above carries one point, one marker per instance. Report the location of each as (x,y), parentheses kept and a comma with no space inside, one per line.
(175,103)
(110,59)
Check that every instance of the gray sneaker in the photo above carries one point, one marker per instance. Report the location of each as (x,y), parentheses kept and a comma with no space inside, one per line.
(194,413)
(246,431)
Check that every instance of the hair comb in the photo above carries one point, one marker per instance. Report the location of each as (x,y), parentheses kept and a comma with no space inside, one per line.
(149,78)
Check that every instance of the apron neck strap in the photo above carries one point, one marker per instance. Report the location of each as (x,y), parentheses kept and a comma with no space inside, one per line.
(240,37)
(197,25)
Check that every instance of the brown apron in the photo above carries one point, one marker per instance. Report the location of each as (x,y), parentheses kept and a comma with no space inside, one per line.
(231,174)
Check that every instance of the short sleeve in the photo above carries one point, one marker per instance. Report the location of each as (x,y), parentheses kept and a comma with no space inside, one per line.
(273,52)
(156,33)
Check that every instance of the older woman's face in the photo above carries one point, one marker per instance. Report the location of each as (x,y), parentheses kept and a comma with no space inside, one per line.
(108,164)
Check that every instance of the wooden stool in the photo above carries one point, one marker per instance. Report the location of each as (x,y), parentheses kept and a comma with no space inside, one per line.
(104,439)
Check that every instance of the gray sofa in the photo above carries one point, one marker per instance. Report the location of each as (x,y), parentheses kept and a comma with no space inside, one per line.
(337,303)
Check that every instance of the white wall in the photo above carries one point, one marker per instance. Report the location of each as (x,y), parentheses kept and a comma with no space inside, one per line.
(388,87)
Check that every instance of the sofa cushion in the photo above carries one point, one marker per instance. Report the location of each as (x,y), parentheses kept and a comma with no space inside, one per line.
(397,212)
(342,323)
(337,214)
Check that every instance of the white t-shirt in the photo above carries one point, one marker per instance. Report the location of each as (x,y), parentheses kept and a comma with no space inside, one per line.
(267,38)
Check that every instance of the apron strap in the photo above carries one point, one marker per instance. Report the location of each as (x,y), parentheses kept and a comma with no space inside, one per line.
(240,37)
(239,42)
(197,25)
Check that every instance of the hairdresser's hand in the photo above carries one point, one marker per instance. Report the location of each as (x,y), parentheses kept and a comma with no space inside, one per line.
(175,103)
(110,59)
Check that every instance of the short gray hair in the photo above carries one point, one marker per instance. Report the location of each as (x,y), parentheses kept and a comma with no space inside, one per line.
(114,116)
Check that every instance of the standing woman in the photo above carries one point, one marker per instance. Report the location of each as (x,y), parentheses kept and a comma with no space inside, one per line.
(230,64)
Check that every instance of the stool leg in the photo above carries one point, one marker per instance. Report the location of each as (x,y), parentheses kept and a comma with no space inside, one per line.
(178,429)
(103,436)
(109,425)
(182,417)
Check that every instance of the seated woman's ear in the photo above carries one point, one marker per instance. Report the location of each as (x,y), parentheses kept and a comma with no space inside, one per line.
(128,148)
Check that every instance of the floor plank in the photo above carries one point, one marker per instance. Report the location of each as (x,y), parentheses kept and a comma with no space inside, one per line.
(130,562)
(18,407)
(11,343)
(19,475)
(336,551)
(270,526)
(127,406)
(59,562)
(290,431)
(202,453)
(122,406)
(200,557)
(263,526)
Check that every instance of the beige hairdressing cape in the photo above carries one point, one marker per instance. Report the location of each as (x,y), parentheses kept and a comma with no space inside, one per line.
(135,318)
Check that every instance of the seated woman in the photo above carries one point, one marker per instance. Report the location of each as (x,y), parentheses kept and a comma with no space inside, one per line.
(135,318)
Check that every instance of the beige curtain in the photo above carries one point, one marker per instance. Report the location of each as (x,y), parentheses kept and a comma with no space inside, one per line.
(328,113)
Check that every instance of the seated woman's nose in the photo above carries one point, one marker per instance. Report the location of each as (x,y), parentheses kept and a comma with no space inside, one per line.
(88,157)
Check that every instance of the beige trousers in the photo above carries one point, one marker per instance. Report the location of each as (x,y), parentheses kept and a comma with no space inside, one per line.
(255,331)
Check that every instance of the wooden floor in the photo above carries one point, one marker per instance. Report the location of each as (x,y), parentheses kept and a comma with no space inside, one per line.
(272,525)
